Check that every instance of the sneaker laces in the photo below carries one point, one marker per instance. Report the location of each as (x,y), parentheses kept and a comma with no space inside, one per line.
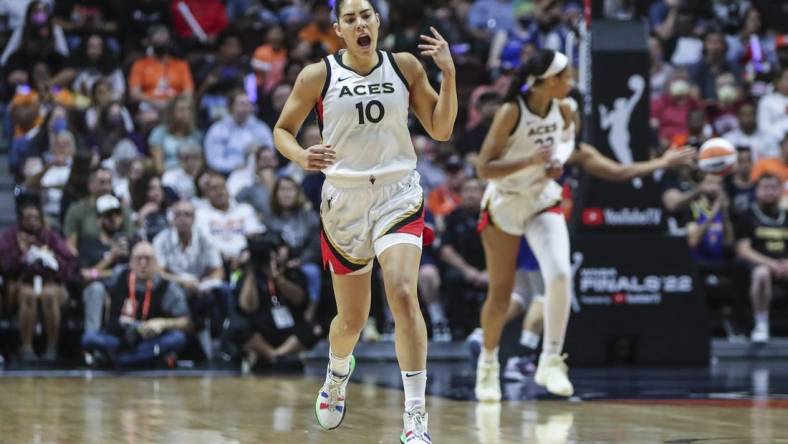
(487,374)
(416,422)
(334,391)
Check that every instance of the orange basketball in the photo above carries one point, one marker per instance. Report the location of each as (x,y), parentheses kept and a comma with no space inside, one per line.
(717,156)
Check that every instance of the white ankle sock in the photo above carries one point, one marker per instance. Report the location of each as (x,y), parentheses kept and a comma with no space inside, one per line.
(437,314)
(529,339)
(339,366)
(489,356)
(415,384)
(761,318)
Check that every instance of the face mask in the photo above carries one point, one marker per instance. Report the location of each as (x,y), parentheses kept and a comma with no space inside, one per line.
(39,18)
(726,94)
(160,50)
(679,88)
(59,124)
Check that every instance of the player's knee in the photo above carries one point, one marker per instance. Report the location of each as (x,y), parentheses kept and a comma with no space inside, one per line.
(761,273)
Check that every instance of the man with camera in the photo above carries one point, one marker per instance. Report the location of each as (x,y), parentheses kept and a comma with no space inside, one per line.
(148,316)
(271,299)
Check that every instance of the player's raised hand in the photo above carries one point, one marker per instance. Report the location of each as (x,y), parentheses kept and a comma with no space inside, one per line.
(317,157)
(436,47)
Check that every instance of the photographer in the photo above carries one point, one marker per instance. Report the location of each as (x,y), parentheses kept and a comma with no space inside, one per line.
(36,262)
(148,315)
(269,320)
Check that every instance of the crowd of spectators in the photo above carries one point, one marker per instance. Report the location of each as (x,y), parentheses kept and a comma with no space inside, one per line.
(153,208)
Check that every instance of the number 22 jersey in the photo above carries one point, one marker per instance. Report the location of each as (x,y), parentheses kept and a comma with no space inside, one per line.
(365,120)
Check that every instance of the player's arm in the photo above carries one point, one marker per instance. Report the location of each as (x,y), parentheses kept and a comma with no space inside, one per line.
(306,92)
(489,164)
(436,111)
(594,163)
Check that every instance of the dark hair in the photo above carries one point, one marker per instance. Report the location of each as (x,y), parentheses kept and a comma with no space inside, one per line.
(300,197)
(106,62)
(767,176)
(139,190)
(30,31)
(77,184)
(25,199)
(337,6)
(536,65)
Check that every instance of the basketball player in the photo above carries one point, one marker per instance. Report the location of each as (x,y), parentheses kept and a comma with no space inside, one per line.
(531,137)
(372,204)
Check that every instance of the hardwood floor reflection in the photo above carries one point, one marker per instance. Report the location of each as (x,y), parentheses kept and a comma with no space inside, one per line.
(280,410)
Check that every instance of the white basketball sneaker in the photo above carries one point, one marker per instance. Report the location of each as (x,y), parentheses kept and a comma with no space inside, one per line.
(488,381)
(415,427)
(330,406)
(551,373)
(760,334)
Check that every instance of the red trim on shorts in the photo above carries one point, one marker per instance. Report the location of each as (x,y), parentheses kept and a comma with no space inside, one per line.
(554,209)
(484,221)
(427,236)
(339,265)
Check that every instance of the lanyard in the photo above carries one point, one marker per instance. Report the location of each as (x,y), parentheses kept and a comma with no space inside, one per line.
(133,296)
(272,292)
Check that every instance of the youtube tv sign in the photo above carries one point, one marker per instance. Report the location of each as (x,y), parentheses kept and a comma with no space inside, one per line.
(595,217)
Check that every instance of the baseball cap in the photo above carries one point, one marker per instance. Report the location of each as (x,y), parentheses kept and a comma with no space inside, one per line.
(106,204)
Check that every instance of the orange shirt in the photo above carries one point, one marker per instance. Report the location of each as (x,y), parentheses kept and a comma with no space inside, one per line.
(161,80)
(773,166)
(441,201)
(270,65)
(330,40)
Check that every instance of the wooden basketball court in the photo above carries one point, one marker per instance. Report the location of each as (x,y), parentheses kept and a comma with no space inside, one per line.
(280,410)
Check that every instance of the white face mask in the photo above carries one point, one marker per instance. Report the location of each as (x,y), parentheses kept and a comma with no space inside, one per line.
(679,88)
(726,94)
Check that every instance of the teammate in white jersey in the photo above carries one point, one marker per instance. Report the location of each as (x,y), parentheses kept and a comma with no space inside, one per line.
(531,136)
(372,204)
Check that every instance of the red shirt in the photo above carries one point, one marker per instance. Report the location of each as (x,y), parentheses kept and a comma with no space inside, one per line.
(210,15)
(672,115)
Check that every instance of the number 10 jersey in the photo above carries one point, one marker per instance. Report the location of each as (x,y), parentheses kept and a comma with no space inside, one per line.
(365,120)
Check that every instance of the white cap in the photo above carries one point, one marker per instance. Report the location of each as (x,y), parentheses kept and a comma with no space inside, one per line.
(107,203)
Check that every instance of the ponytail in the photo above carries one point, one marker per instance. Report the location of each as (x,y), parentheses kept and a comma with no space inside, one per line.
(544,64)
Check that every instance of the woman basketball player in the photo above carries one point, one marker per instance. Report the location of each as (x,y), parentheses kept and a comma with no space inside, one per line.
(372,204)
(531,137)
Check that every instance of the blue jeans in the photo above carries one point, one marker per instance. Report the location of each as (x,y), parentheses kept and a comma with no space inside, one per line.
(314,280)
(171,341)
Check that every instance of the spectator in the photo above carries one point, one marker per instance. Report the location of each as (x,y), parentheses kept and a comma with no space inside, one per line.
(669,112)
(142,16)
(275,102)
(36,263)
(773,107)
(704,73)
(320,30)
(199,20)
(227,71)
(471,142)
(776,166)
(111,129)
(148,316)
(102,96)
(740,189)
(269,59)
(76,186)
(679,189)
(710,231)
(124,163)
(182,178)
(81,18)
(38,40)
(487,16)
(762,144)
(462,252)
(272,298)
(149,203)
(753,45)
(661,69)
(761,243)
(188,258)
(722,112)
(680,33)
(99,255)
(178,127)
(226,222)
(231,140)
(258,192)
(15,10)
(96,61)
(25,112)
(446,197)
(58,119)
(159,77)
(53,177)
(298,224)
(82,217)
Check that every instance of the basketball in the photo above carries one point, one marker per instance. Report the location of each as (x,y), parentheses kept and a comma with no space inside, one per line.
(717,156)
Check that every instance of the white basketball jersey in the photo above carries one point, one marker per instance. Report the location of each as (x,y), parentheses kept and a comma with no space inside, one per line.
(365,120)
(532,133)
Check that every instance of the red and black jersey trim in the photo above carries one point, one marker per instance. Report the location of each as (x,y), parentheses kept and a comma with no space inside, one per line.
(333,256)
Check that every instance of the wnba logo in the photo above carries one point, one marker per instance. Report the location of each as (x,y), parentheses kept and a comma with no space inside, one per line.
(616,120)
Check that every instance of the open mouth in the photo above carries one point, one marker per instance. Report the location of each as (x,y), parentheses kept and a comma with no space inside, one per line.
(364,41)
